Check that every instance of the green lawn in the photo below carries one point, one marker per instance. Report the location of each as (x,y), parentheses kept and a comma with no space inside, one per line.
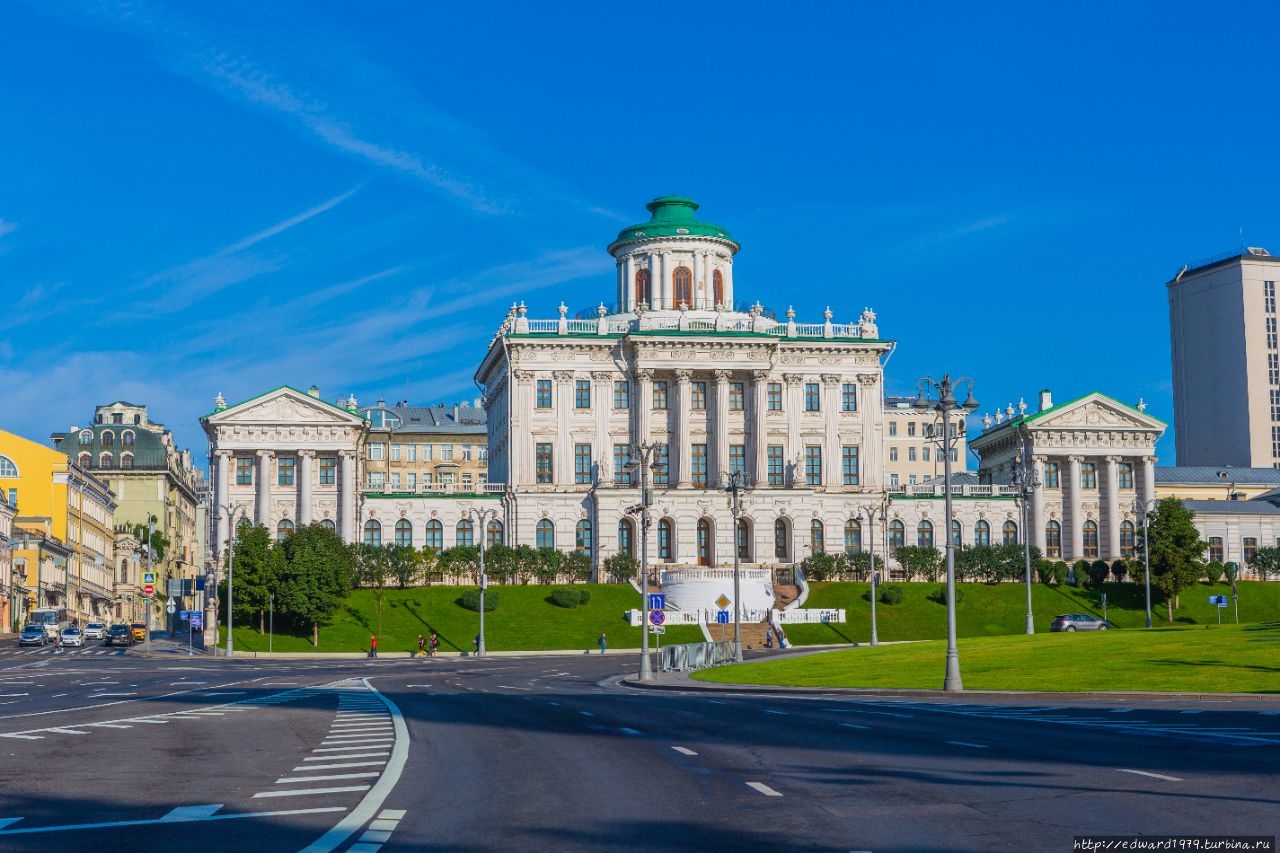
(987,610)
(1233,659)
(524,619)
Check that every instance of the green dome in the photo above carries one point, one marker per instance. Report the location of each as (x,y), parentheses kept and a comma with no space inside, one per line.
(673,216)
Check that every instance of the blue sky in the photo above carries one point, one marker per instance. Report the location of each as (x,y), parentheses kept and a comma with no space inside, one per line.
(205,198)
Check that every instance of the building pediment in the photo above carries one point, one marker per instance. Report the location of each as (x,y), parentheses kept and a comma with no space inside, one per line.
(1096,412)
(284,406)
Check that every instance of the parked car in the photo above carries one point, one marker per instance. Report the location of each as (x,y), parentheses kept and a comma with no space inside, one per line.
(1079,622)
(71,637)
(119,634)
(95,631)
(33,635)
(139,630)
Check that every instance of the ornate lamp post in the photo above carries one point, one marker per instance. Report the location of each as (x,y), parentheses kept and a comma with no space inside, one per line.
(482,517)
(231,512)
(945,404)
(1026,480)
(644,459)
(1146,508)
(870,512)
(735,483)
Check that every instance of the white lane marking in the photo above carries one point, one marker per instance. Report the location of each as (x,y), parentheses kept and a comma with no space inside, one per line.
(1152,775)
(185,813)
(25,737)
(586,713)
(359,727)
(1190,712)
(110,726)
(338,766)
(1269,713)
(509,687)
(348,748)
(383,824)
(716,702)
(8,820)
(310,792)
(1122,710)
(108,825)
(100,695)
(683,750)
(226,693)
(7,695)
(375,754)
(853,726)
(627,731)
(354,741)
(966,743)
(63,731)
(764,789)
(185,683)
(292,780)
(777,713)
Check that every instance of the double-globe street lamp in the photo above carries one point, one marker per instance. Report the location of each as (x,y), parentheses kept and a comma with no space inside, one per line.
(945,404)
(735,483)
(644,458)
(231,513)
(1146,508)
(482,516)
(1026,481)
(870,512)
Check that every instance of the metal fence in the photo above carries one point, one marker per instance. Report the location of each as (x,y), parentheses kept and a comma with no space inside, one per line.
(682,658)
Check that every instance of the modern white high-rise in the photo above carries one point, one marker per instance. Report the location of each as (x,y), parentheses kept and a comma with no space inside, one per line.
(1226,361)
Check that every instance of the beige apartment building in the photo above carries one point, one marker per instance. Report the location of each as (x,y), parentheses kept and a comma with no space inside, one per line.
(1226,361)
(910,456)
(426,449)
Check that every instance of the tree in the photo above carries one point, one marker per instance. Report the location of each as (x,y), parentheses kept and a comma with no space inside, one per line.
(1213,571)
(461,561)
(1175,550)
(371,568)
(500,563)
(856,566)
(1079,571)
(159,542)
(256,570)
(527,562)
(316,576)
(1120,569)
(622,567)
(1266,562)
(550,564)
(819,567)
(1098,571)
(920,561)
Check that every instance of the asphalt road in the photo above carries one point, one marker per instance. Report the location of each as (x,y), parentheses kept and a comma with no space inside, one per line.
(120,752)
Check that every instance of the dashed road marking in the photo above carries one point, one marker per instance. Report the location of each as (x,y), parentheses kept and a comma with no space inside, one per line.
(309,792)
(293,780)
(339,766)
(684,750)
(764,789)
(376,752)
(627,731)
(1152,775)
(966,743)
(853,726)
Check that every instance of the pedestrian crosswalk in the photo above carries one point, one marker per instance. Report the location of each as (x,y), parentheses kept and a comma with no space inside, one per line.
(90,651)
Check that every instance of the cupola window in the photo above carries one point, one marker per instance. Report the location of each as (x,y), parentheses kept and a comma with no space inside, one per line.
(642,286)
(717,287)
(684,287)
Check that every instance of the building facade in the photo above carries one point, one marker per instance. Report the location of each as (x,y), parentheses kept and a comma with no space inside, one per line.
(1226,361)
(910,457)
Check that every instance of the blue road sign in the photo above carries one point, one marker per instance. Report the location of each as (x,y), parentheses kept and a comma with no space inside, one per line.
(657,617)
(149,577)
(197,620)
(722,617)
(657,601)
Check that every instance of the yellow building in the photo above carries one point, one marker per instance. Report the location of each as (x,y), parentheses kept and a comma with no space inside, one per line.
(63,529)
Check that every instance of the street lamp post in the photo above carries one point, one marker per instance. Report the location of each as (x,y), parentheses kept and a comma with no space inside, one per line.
(644,459)
(870,513)
(1026,481)
(482,517)
(735,483)
(1146,508)
(231,512)
(945,405)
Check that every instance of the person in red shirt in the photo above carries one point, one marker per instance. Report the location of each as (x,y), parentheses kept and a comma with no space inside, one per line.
(373,646)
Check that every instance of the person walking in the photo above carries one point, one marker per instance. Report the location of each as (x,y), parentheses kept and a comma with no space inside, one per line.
(602,643)
(435,644)
(373,646)
(422,645)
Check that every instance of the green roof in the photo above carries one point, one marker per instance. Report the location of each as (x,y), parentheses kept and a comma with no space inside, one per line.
(673,216)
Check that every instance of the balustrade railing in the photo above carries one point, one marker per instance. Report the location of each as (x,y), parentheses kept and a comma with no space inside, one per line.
(435,489)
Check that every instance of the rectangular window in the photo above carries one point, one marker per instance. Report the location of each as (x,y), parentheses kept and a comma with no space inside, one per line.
(893,479)
(1275,404)
(660,394)
(849,466)
(328,470)
(582,463)
(377,451)
(467,481)
(1250,549)
(1271,333)
(911,479)
(426,452)
(377,479)
(737,396)
(1216,554)
(1273,368)
(582,393)
(411,453)
(924,454)
(1275,443)
(395,480)
(1088,475)
(698,395)
(13,498)
(542,463)
(426,479)
(621,459)
(777,469)
(893,428)
(1269,292)
(1051,475)
(911,428)
(466,453)
(285,468)
(813,465)
(911,454)
(848,397)
(544,394)
(446,453)
(698,465)
(413,481)
(244,471)
(812,397)
(622,394)
(1124,474)
(773,393)
(737,459)
(662,465)
(893,454)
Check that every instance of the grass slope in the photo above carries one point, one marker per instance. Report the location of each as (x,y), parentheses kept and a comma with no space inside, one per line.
(524,620)
(1236,659)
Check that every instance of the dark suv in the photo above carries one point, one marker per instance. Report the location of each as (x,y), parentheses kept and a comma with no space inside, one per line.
(119,634)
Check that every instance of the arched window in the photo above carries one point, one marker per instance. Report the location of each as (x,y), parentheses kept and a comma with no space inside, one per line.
(124,571)
(283,529)
(956,533)
(86,436)
(625,531)
(897,534)
(464,533)
(545,534)
(8,469)
(105,461)
(1053,539)
(817,537)
(108,438)
(781,539)
(683,280)
(404,533)
(852,536)
(665,536)
(434,536)
(744,539)
(582,537)
(1128,546)
(924,534)
(642,286)
(1010,532)
(373,533)
(84,460)
(328,524)
(126,438)
(717,287)
(126,460)
(494,533)
(704,542)
(1090,530)
(981,533)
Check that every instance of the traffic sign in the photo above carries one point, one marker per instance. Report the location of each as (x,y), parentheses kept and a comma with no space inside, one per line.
(172,603)
(184,615)
(170,608)
(657,601)
(722,617)
(657,617)
(197,620)
(657,629)
(148,590)
(149,577)
(723,601)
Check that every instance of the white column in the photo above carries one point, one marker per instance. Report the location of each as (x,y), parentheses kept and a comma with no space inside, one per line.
(655,281)
(262,508)
(1037,507)
(1148,478)
(1113,508)
(720,429)
(1077,512)
(601,402)
(793,450)
(871,411)
(562,451)
(831,463)
(347,488)
(519,448)
(221,499)
(665,266)
(304,487)
(642,403)
(759,431)
(695,268)
(680,437)
(628,292)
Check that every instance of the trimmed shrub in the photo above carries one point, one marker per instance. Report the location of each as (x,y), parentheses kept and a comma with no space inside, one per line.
(940,594)
(1044,570)
(584,596)
(1098,571)
(470,599)
(1060,573)
(569,597)
(1214,571)
(1079,573)
(1120,569)
(890,593)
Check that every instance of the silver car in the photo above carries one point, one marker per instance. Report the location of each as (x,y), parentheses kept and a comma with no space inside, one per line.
(71,637)
(1079,622)
(95,631)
